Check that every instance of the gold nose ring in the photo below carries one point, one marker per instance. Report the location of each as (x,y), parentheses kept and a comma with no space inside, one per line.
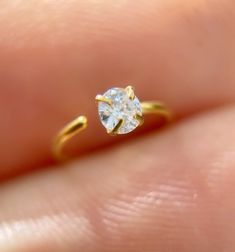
(120,112)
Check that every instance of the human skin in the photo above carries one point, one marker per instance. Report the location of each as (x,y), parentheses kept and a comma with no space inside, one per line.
(167,190)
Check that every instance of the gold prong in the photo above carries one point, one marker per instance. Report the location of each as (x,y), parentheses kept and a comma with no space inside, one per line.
(130,92)
(139,118)
(116,128)
(101,98)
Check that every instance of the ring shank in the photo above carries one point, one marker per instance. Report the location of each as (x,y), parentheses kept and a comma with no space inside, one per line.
(80,123)
(157,108)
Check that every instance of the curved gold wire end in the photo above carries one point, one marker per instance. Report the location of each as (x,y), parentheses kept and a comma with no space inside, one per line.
(70,130)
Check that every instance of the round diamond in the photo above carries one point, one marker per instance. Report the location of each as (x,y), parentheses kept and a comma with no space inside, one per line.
(121,108)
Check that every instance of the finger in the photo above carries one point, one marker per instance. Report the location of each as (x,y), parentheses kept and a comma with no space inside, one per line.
(162,193)
(56,57)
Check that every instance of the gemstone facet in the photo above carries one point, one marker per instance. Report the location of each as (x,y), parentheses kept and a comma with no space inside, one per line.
(117,106)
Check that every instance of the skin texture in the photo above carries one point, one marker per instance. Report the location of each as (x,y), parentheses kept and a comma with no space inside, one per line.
(55,57)
(168,190)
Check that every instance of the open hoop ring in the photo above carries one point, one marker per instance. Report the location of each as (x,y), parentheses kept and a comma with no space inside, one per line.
(120,112)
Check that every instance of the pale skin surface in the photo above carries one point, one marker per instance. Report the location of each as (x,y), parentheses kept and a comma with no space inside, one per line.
(165,191)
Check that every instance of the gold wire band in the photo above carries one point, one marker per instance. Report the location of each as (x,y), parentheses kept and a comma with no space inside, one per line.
(69,131)
(80,123)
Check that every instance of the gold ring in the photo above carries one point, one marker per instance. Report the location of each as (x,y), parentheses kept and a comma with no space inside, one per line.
(120,112)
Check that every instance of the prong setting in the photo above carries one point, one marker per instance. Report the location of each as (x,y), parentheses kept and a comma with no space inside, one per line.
(101,98)
(125,112)
(130,92)
(139,118)
(114,131)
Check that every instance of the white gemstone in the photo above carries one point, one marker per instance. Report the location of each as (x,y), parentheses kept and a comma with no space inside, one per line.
(122,108)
